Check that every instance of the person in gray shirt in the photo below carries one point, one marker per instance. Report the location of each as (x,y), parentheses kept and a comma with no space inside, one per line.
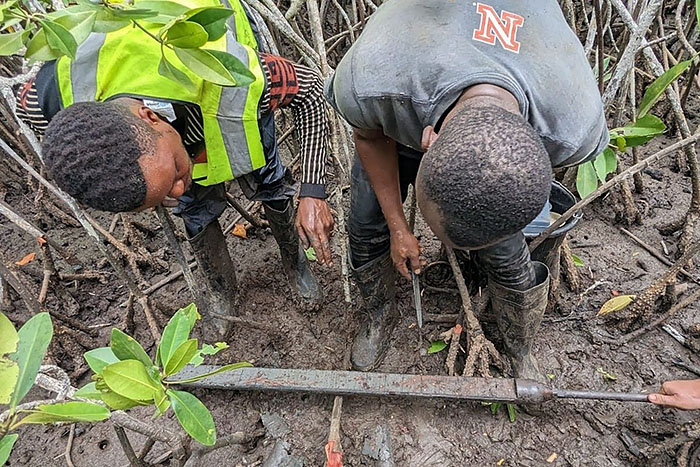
(498,93)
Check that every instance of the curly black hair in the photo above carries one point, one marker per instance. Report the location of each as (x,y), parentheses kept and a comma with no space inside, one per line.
(488,173)
(91,149)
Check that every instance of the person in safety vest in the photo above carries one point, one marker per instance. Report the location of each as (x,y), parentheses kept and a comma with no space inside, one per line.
(473,103)
(122,137)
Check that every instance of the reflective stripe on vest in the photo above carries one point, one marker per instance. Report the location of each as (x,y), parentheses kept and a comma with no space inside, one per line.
(125,63)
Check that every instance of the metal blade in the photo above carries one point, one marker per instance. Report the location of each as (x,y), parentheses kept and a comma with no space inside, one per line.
(416,300)
(355,383)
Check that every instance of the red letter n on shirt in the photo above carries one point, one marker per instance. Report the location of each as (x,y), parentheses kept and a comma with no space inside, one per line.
(504,27)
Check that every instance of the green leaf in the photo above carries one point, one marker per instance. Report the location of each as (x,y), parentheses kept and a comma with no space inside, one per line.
(697,10)
(6,443)
(176,332)
(639,132)
(126,347)
(230,367)
(205,65)
(616,304)
(11,43)
(78,23)
(437,346)
(495,406)
(181,357)
(165,68)
(9,372)
(99,358)
(74,411)
(130,379)
(578,262)
(610,160)
(59,38)
(105,20)
(240,72)
(117,402)
(8,336)
(310,254)
(607,376)
(658,87)
(166,10)
(600,167)
(38,49)
(193,416)
(10,23)
(212,19)
(512,413)
(586,179)
(186,35)
(34,338)
(89,391)
(207,349)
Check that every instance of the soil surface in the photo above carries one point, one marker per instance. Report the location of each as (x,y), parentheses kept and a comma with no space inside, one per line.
(420,432)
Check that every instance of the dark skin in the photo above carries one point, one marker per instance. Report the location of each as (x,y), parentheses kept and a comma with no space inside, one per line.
(168,174)
(379,158)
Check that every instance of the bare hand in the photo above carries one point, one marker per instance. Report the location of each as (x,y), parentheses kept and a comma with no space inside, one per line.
(314,224)
(679,394)
(405,248)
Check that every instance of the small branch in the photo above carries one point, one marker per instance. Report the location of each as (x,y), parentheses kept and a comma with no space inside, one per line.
(69,446)
(243,211)
(134,461)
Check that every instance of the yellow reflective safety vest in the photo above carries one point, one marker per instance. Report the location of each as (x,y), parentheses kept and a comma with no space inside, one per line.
(125,63)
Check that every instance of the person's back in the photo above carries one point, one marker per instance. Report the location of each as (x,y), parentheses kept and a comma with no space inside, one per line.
(414,58)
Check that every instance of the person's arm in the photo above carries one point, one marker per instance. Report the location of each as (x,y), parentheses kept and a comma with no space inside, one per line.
(28,109)
(300,89)
(380,161)
(679,394)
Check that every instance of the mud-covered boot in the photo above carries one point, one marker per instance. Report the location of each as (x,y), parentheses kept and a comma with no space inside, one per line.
(376,281)
(518,314)
(294,261)
(215,265)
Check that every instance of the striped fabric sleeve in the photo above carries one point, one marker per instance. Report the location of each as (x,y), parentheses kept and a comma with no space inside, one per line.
(300,89)
(28,109)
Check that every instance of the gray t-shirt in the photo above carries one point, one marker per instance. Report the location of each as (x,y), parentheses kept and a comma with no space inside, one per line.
(415,57)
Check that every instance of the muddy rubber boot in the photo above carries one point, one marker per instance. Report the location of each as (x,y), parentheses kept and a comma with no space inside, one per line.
(518,314)
(376,281)
(214,261)
(294,261)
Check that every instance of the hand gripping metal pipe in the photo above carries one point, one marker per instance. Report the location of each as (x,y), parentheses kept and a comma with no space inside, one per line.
(521,391)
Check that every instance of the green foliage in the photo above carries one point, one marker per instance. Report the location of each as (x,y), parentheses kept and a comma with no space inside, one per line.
(186,31)
(578,262)
(21,354)
(510,410)
(193,416)
(34,338)
(6,443)
(125,376)
(437,346)
(639,132)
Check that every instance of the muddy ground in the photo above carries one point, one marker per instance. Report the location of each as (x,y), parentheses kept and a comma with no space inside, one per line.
(421,433)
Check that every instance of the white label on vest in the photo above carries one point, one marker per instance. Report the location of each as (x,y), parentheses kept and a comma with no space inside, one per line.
(163,108)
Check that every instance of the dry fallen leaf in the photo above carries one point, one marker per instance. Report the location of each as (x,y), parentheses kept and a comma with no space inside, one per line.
(41,240)
(500,462)
(616,304)
(26,260)
(239,231)
(552,458)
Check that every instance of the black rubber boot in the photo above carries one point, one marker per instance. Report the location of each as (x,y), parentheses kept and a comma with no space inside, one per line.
(215,265)
(376,281)
(518,314)
(294,261)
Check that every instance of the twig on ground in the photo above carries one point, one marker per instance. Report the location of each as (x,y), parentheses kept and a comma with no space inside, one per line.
(69,446)
(134,461)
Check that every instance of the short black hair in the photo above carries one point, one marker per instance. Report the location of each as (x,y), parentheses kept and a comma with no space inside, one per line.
(91,149)
(489,174)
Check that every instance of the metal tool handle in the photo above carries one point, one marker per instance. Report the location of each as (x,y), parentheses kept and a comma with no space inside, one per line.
(601,395)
